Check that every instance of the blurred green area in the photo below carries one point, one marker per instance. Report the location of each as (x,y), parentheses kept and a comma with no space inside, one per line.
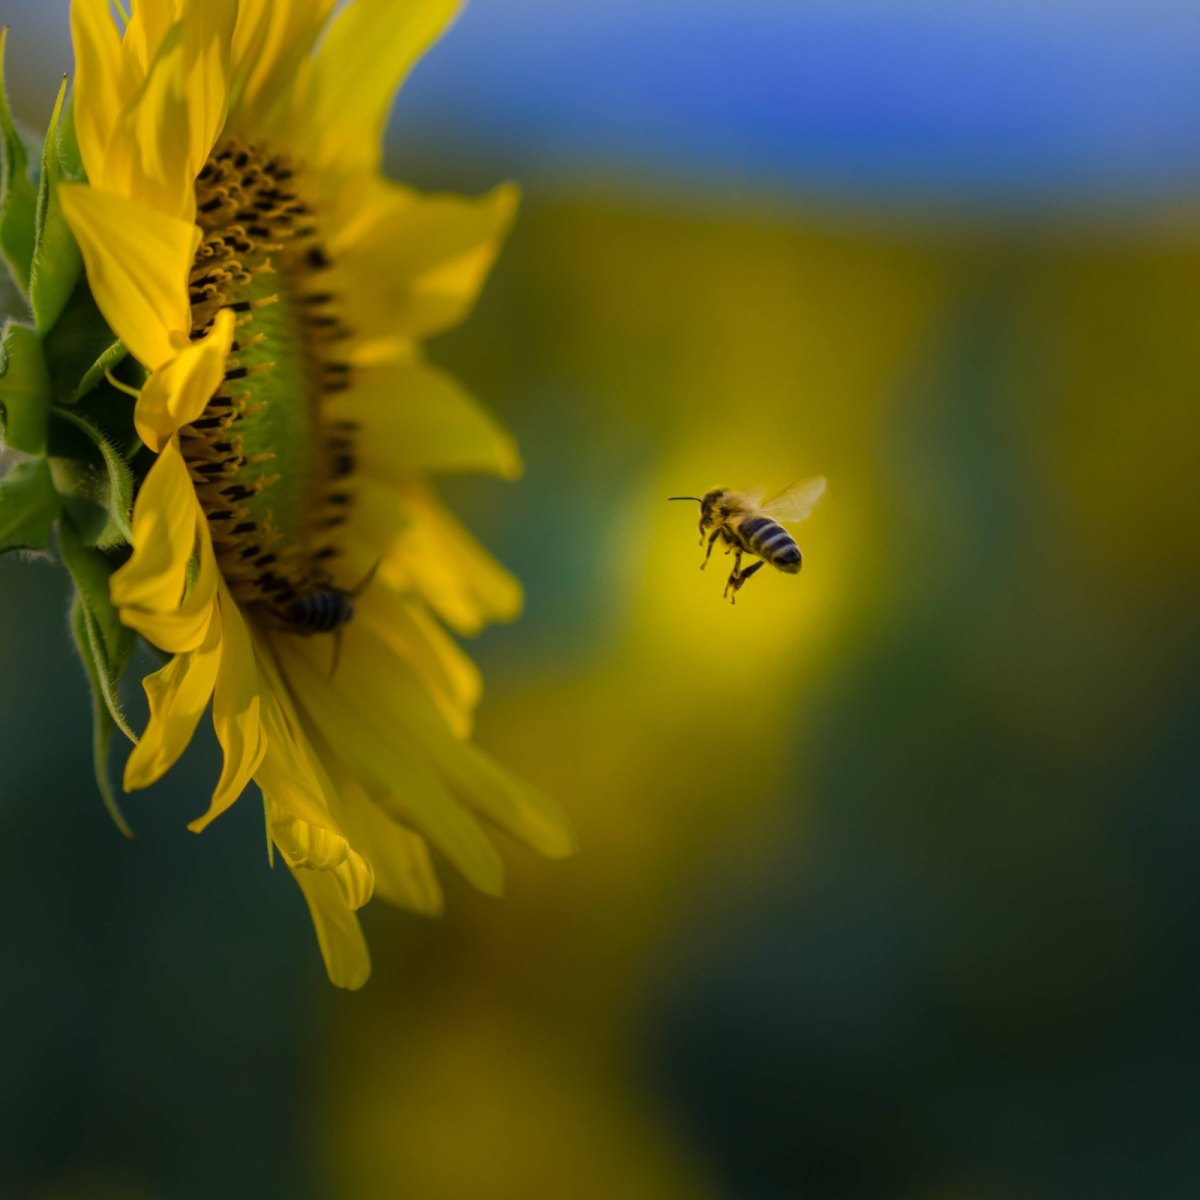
(887,882)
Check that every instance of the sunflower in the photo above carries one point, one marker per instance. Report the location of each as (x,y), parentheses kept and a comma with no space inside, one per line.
(286,551)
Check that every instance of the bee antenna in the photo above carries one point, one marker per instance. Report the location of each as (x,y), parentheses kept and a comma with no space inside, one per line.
(696,498)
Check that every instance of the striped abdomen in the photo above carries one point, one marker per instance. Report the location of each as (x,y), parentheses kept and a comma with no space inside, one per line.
(771,542)
(319,612)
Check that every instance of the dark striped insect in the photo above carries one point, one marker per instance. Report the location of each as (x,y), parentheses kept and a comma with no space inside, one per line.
(325,610)
(321,611)
(748,525)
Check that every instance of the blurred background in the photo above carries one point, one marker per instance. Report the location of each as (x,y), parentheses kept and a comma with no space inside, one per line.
(888,881)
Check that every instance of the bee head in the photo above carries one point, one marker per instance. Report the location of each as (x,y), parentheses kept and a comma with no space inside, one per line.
(708,508)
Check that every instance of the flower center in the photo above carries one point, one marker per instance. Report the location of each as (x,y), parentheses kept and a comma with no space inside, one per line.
(269,466)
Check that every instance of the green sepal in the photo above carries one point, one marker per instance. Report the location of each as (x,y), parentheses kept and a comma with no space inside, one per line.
(29,506)
(90,570)
(105,646)
(68,143)
(102,722)
(57,263)
(12,303)
(24,389)
(18,195)
(81,348)
(93,479)
(110,359)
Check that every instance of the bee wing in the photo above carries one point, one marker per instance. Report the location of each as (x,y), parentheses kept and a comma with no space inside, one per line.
(796,502)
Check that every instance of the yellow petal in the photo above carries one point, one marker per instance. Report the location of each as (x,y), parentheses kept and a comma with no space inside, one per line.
(445,296)
(290,772)
(149,23)
(395,777)
(368,51)
(207,37)
(354,877)
(164,538)
(404,873)
(149,152)
(514,805)
(418,262)
(271,38)
(415,232)
(405,626)
(151,591)
(378,351)
(137,262)
(390,691)
(99,88)
(317,849)
(178,695)
(236,708)
(305,845)
(176,106)
(299,796)
(431,555)
(415,419)
(339,935)
(178,392)
(183,106)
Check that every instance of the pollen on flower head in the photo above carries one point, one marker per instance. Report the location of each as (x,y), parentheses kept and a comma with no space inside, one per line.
(271,467)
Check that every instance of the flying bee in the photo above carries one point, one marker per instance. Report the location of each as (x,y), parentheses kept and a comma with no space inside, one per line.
(749,525)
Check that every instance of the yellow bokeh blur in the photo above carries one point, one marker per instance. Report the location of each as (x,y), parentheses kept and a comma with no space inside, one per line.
(499,1055)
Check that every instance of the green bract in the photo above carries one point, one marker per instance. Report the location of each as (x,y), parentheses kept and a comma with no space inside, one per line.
(69,456)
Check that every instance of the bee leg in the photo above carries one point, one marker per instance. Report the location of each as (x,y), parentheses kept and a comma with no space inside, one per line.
(365,581)
(741,579)
(708,555)
(732,581)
